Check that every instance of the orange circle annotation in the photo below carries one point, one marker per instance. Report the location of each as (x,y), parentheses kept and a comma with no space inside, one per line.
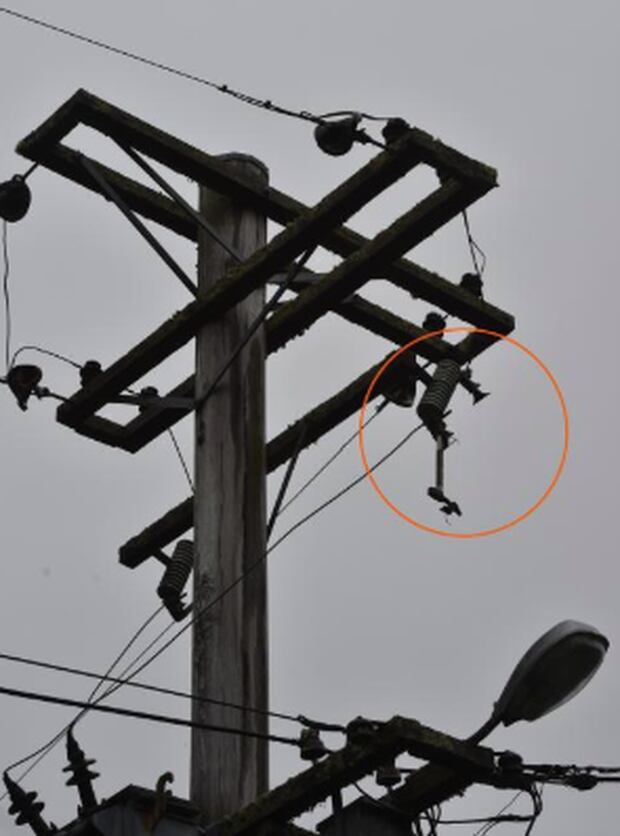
(515,520)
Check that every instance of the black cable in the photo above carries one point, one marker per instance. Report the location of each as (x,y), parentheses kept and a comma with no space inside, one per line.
(275,511)
(47,352)
(233,585)
(42,751)
(265,104)
(181,459)
(473,247)
(37,663)
(7,298)
(144,715)
(332,458)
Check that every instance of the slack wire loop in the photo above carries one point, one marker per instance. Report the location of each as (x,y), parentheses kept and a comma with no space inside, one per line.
(271,304)
(7,297)
(144,715)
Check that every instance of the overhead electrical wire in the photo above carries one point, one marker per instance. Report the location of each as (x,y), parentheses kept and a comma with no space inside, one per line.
(38,663)
(474,249)
(7,297)
(181,458)
(265,104)
(143,715)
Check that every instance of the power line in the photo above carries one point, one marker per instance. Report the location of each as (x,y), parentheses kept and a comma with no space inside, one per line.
(7,298)
(37,663)
(233,585)
(144,715)
(474,249)
(181,459)
(47,352)
(265,104)
(332,458)
(42,751)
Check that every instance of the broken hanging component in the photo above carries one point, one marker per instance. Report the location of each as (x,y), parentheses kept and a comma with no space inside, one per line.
(175,576)
(431,410)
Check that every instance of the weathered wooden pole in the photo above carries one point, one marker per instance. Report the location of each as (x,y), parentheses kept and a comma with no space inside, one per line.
(230,641)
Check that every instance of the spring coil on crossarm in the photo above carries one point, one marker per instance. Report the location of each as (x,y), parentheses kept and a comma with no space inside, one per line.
(176,575)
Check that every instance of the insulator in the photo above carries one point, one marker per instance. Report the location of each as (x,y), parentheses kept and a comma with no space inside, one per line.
(14,199)
(25,808)
(311,747)
(434,321)
(337,137)
(581,781)
(472,283)
(438,393)
(81,776)
(177,572)
(394,130)
(360,730)
(510,761)
(147,392)
(388,775)
(89,371)
(400,381)
(23,381)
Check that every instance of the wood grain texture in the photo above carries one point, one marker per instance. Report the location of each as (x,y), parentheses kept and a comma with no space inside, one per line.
(230,641)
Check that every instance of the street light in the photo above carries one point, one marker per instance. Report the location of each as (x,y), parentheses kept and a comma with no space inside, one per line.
(553,671)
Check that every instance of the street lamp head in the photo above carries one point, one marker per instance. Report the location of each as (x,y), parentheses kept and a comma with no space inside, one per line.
(553,671)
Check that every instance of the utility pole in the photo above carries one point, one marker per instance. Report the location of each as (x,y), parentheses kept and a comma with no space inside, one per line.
(229,656)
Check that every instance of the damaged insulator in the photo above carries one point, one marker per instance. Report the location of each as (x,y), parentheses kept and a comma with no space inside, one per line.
(388,775)
(311,747)
(172,584)
(81,775)
(25,808)
(434,401)
(360,730)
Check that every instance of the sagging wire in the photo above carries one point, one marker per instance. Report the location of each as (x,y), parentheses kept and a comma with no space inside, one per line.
(181,458)
(40,753)
(7,297)
(474,249)
(144,715)
(45,351)
(332,458)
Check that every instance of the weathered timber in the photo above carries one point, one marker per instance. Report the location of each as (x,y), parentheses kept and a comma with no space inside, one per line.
(229,643)
(351,763)
(40,146)
(410,229)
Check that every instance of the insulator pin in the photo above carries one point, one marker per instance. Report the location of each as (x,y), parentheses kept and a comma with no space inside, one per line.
(434,401)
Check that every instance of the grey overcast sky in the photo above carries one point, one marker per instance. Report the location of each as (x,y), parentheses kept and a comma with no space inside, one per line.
(368,615)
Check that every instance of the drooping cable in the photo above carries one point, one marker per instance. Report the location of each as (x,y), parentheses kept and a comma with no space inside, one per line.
(181,458)
(332,458)
(143,715)
(7,297)
(265,104)
(156,689)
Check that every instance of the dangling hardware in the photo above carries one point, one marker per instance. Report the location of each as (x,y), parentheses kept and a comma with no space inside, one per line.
(172,584)
(311,747)
(431,409)
(26,809)
(81,775)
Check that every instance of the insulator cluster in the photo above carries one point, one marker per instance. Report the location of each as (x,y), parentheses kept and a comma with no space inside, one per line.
(176,575)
